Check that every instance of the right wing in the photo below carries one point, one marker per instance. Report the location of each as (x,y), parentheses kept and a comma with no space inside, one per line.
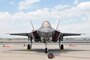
(21,34)
(34,33)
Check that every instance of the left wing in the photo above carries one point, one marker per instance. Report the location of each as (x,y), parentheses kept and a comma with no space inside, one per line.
(70,34)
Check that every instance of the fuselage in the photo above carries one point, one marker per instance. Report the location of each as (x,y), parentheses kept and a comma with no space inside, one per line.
(46,32)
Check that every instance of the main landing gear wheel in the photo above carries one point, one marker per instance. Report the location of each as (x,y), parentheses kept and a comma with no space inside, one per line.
(62,47)
(45,50)
(28,47)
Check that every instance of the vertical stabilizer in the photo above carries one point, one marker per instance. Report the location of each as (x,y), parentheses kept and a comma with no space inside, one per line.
(58,25)
(32,25)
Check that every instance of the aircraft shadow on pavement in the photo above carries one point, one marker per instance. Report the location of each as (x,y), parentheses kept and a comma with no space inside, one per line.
(55,51)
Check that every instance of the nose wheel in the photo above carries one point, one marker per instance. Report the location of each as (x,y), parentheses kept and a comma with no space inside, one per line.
(45,50)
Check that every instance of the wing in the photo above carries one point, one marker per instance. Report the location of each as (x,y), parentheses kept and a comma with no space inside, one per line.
(70,34)
(21,34)
(34,33)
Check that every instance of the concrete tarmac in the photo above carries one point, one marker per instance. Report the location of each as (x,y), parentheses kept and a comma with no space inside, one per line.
(20,52)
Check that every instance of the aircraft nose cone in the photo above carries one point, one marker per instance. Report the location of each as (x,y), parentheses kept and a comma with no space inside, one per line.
(46,31)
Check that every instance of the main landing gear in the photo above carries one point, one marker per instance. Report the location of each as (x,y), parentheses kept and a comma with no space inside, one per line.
(61,46)
(29,46)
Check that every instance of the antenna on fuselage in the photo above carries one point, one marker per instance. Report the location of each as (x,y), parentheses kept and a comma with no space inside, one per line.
(58,25)
(32,25)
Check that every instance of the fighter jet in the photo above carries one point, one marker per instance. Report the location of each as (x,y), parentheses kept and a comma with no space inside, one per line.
(45,34)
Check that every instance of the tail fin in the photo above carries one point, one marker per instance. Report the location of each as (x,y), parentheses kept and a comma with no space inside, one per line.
(32,25)
(58,25)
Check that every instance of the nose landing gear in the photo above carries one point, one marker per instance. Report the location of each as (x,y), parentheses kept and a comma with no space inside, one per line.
(46,50)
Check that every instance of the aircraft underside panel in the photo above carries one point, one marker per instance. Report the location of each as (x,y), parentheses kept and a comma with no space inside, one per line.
(55,37)
(36,36)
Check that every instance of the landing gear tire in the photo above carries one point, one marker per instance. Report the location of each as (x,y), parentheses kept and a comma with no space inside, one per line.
(62,47)
(28,47)
(45,50)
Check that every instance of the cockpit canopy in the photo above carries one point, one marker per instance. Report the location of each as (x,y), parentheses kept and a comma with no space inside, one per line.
(46,24)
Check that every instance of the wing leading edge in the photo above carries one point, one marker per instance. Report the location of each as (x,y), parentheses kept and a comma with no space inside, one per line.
(21,34)
(28,34)
(70,34)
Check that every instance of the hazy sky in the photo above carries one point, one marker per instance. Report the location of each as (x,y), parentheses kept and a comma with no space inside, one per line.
(15,15)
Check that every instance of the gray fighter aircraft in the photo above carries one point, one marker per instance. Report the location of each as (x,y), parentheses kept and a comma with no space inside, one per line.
(45,34)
